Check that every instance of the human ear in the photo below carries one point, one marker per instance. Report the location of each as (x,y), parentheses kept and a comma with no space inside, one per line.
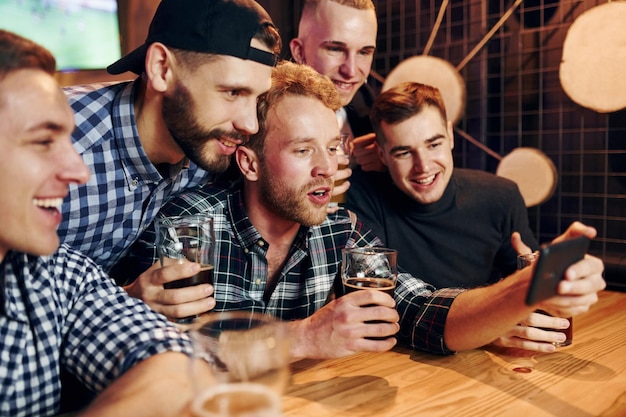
(159,60)
(297,50)
(248,163)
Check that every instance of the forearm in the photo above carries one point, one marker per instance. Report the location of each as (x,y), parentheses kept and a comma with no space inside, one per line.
(481,315)
(157,386)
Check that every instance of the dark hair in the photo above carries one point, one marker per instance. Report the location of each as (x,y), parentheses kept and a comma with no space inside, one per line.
(290,79)
(402,102)
(17,52)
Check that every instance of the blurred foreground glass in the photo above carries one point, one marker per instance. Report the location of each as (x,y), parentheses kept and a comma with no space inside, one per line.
(237,400)
(240,346)
(182,239)
(528,259)
(369,268)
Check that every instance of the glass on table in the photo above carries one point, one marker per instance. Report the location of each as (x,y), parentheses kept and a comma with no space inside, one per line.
(528,259)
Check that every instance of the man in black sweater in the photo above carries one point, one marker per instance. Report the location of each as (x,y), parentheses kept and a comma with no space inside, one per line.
(453,227)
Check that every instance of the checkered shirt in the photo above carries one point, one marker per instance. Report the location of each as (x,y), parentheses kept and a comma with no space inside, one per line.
(62,311)
(307,278)
(125,191)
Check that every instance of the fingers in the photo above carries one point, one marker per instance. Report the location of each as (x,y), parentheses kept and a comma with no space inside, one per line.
(579,290)
(341,183)
(519,246)
(531,338)
(187,309)
(365,153)
(173,303)
(577,229)
(341,188)
(363,141)
(367,297)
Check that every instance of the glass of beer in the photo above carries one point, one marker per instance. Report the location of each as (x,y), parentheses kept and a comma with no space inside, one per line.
(182,239)
(369,268)
(528,259)
(240,347)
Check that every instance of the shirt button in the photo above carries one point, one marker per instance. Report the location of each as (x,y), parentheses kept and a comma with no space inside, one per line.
(261,243)
(246,250)
(258,282)
(135,182)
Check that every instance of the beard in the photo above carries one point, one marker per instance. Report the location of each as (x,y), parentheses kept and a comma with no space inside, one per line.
(289,202)
(179,117)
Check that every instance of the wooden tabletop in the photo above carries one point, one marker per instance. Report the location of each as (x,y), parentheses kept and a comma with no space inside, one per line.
(585,379)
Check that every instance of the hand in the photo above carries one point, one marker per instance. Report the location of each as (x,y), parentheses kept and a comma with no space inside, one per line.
(173,303)
(341,176)
(578,291)
(530,334)
(339,329)
(365,153)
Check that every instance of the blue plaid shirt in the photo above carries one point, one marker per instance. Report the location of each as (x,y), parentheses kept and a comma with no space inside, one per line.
(309,274)
(125,191)
(62,311)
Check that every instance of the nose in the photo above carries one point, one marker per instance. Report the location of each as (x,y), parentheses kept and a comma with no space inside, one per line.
(73,169)
(420,162)
(348,67)
(247,122)
(325,165)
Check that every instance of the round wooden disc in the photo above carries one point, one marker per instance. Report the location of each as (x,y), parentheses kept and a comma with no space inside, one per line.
(594,58)
(436,72)
(532,171)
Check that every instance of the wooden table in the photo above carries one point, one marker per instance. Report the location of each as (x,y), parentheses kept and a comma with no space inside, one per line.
(585,379)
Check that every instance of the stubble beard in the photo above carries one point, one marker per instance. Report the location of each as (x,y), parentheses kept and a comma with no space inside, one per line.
(178,115)
(288,202)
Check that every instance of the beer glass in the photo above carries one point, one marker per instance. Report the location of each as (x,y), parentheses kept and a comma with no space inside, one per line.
(182,239)
(240,347)
(369,268)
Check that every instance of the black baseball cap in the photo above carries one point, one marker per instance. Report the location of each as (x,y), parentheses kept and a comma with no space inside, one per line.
(223,27)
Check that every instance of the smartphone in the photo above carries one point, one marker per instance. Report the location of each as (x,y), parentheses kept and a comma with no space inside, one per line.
(553,261)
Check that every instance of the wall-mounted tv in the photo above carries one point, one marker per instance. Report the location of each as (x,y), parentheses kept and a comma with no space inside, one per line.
(82,34)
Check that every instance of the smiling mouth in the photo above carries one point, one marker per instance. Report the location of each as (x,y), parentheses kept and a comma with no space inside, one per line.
(48,203)
(342,85)
(228,143)
(426,181)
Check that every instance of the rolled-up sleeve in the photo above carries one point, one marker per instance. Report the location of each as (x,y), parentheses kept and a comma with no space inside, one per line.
(423,313)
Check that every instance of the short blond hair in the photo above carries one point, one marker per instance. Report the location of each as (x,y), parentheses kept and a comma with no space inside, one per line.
(290,79)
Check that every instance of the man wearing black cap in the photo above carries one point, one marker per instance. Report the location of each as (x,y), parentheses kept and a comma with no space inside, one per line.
(202,67)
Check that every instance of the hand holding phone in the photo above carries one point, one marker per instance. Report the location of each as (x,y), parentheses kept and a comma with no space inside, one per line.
(553,261)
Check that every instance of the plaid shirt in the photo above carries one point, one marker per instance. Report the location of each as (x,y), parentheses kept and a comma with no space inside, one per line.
(62,311)
(307,278)
(125,191)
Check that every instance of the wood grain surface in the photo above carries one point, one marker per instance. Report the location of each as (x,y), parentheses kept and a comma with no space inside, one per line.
(585,379)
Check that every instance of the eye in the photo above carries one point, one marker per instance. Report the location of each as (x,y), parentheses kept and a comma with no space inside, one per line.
(335,50)
(333,149)
(402,154)
(45,143)
(233,93)
(435,145)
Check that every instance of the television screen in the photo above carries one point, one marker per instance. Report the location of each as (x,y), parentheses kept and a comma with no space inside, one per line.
(82,34)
